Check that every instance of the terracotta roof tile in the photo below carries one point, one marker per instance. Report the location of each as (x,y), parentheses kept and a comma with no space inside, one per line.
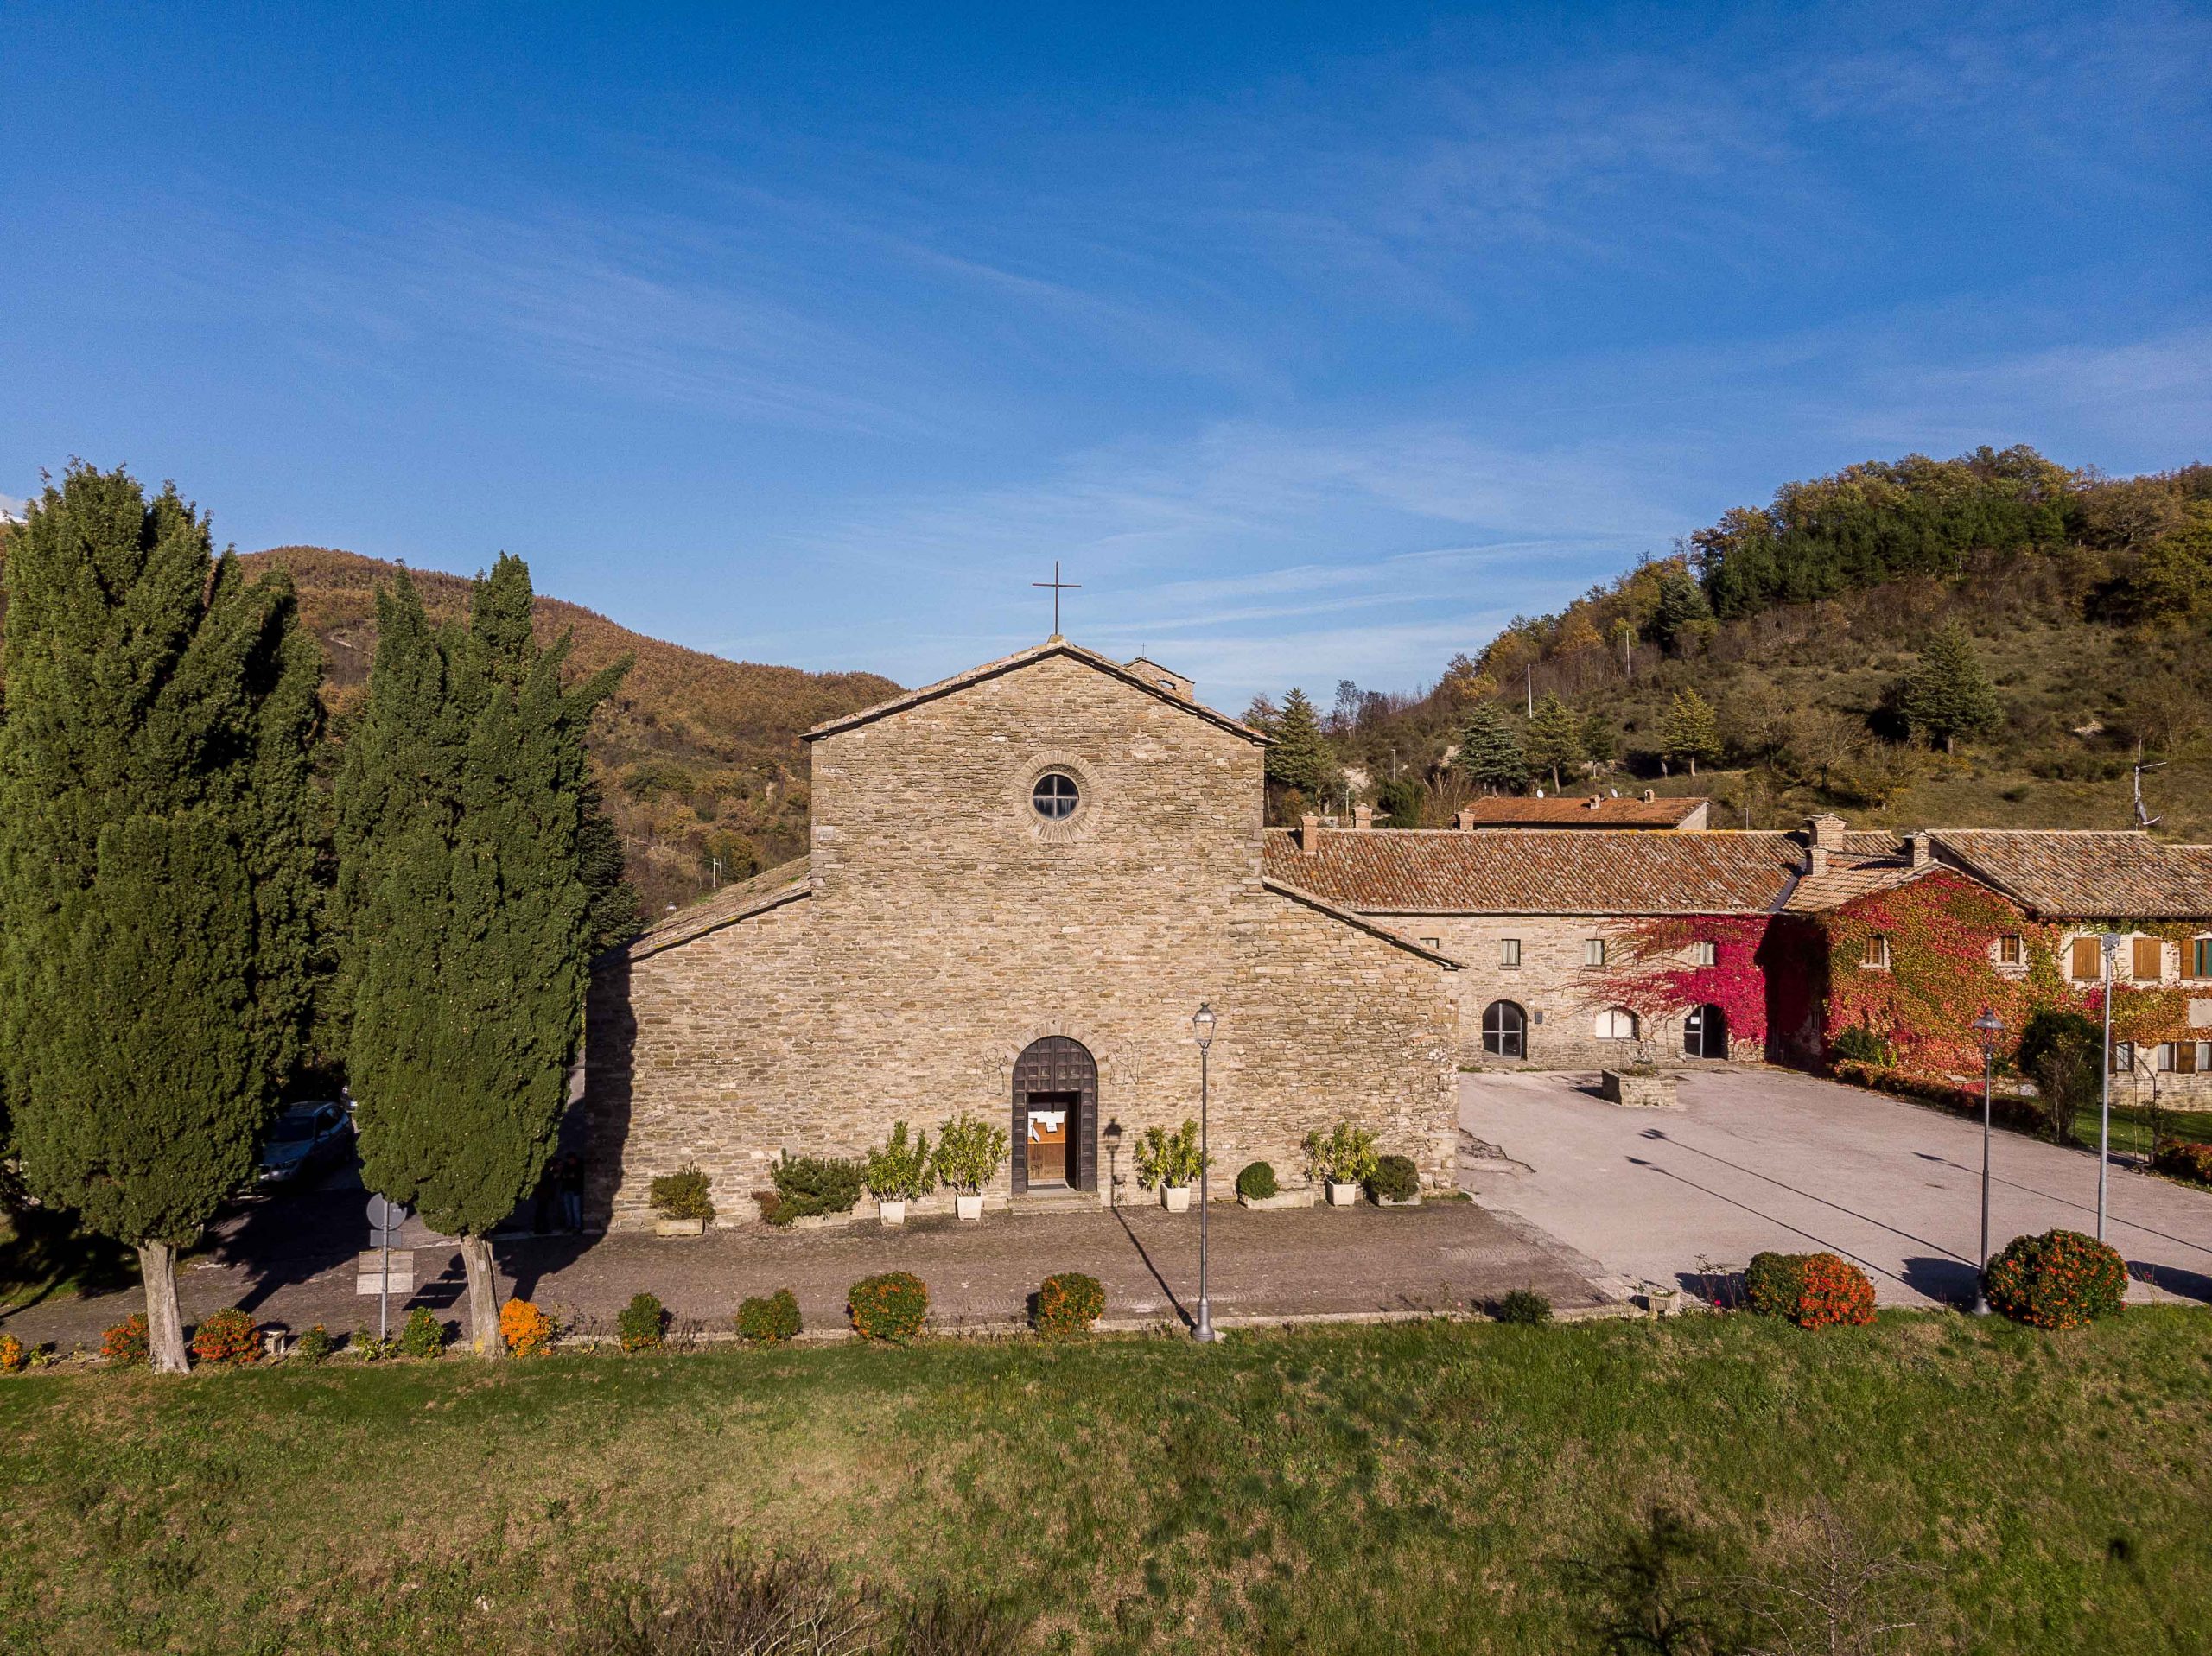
(1567,812)
(2087,874)
(1537,871)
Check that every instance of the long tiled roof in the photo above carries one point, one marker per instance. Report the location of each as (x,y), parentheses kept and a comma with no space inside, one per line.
(2087,874)
(1508,811)
(1538,870)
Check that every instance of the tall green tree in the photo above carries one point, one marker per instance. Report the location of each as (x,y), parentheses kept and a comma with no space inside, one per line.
(1949,695)
(1682,614)
(1400,801)
(1490,754)
(1554,739)
(462,838)
(159,841)
(1301,758)
(1691,731)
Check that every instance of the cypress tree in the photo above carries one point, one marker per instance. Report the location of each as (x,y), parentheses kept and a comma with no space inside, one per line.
(1682,611)
(1301,757)
(462,837)
(1489,750)
(1691,731)
(1554,738)
(1949,695)
(158,856)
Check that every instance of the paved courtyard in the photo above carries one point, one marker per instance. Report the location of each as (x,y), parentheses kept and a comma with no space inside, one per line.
(291,1261)
(1760,1158)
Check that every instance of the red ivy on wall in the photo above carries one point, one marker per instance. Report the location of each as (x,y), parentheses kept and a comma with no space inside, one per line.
(1651,977)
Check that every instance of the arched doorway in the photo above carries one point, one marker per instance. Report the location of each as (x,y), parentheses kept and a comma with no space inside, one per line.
(1055,1131)
(1705,1033)
(1505,1030)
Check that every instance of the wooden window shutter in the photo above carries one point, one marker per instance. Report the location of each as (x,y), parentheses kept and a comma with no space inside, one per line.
(2086,962)
(2150,959)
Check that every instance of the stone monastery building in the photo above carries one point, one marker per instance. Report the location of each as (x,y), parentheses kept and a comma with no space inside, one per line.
(1025,880)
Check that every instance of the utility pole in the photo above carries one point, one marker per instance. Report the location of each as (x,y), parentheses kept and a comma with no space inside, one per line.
(2110,943)
(1530,668)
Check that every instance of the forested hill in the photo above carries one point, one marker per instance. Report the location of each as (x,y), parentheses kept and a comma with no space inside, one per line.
(1979,641)
(698,758)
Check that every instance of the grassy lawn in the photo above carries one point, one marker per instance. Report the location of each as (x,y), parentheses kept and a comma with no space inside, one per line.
(1419,1487)
(2130,1127)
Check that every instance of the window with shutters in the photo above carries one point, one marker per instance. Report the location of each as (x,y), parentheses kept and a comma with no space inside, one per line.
(1508,954)
(2011,950)
(2164,1061)
(2123,1057)
(2086,961)
(1877,956)
(1593,951)
(1704,952)
(2200,953)
(2150,962)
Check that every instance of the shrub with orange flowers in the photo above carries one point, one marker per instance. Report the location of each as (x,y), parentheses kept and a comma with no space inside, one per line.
(528,1331)
(14,1355)
(2060,1280)
(2184,1160)
(226,1337)
(1814,1291)
(125,1345)
(1067,1305)
(889,1308)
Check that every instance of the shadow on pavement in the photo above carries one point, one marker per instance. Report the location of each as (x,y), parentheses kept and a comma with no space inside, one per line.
(1946,1281)
(1173,1299)
(2171,1279)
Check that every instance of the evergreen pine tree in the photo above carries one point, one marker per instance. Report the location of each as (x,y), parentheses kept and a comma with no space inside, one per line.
(1949,695)
(1399,802)
(618,913)
(1489,749)
(1691,731)
(1599,741)
(1301,757)
(1554,739)
(158,856)
(1680,612)
(462,834)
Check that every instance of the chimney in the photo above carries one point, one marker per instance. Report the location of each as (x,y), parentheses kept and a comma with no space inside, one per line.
(1649,794)
(1919,848)
(1309,834)
(1363,816)
(1465,818)
(1816,861)
(1595,803)
(1827,830)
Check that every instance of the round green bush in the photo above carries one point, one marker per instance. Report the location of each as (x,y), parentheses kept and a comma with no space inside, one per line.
(1394,1179)
(1257,1181)
(1774,1284)
(315,1346)
(1524,1306)
(640,1324)
(1068,1304)
(423,1334)
(2060,1280)
(769,1322)
(889,1308)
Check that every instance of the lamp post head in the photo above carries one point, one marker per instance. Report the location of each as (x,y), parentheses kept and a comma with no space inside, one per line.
(1991,1026)
(1202,1022)
(2111,942)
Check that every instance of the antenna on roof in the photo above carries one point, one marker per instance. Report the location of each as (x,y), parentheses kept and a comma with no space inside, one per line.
(2143,818)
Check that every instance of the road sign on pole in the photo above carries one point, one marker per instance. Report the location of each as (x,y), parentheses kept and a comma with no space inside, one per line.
(385,1217)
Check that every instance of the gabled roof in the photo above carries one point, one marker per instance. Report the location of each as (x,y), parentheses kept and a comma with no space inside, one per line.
(1537,871)
(1029,657)
(1849,878)
(1566,811)
(786,883)
(2086,873)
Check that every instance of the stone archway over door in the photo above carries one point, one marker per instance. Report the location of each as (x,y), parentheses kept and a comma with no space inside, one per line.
(1061,1075)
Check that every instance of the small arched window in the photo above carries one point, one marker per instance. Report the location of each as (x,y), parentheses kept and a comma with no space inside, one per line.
(1616,1023)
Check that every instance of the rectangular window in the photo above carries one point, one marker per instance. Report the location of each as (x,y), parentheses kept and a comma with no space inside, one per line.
(2123,1057)
(2011,950)
(2150,962)
(1593,951)
(2165,1057)
(1432,943)
(2200,1055)
(2087,962)
(1878,953)
(2201,948)
(1703,953)
(1508,954)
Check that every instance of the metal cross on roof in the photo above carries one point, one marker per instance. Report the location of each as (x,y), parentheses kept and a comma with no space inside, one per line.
(1057,587)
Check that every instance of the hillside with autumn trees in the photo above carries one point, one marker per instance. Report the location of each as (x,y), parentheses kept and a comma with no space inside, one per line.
(1991,641)
(698,760)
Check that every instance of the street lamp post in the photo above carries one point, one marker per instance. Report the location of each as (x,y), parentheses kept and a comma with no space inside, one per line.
(2110,942)
(1202,1022)
(1990,1026)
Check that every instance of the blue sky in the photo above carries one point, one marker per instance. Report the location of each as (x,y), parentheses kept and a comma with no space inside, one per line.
(1316,342)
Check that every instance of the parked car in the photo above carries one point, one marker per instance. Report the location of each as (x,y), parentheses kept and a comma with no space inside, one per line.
(304,1139)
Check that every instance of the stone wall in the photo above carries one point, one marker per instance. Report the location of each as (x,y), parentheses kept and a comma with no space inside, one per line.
(948,926)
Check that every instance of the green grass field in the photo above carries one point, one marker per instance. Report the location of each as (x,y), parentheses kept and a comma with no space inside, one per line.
(1417,1486)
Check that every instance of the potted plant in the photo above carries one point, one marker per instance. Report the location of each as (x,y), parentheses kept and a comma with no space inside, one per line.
(1170,1161)
(968,1155)
(1343,1159)
(899,1172)
(681,1199)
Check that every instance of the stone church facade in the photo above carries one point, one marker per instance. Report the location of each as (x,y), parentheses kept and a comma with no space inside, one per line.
(1022,882)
